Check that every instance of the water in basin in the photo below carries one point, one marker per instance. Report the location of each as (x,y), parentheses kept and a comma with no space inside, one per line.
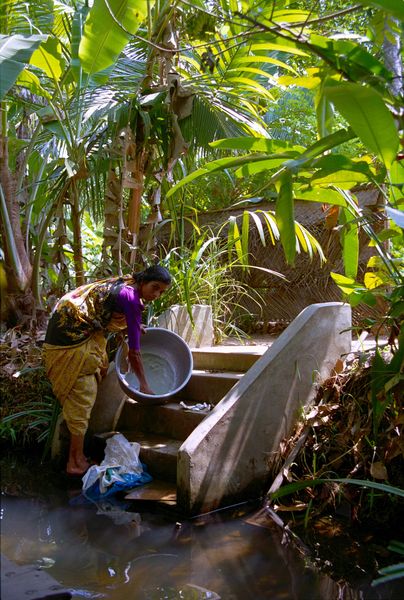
(160,374)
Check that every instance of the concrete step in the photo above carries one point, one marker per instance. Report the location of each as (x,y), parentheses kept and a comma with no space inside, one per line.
(227,358)
(155,491)
(169,419)
(161,429)
(208,387)
(159,453)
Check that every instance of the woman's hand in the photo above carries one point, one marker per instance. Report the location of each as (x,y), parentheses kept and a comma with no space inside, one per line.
(135,360)
(146,390)
(143,329)
(103,372)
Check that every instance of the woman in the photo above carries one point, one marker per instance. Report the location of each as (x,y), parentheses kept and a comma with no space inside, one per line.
(74,349)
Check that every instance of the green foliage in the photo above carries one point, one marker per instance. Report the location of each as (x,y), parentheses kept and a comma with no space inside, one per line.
(37,419)
(383,281)
(202,275)
(93,74)
(394,7)
(366,484)
(391,572)
(25,420)
(387,381)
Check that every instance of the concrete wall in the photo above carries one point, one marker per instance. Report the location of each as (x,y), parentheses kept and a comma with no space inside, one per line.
(229,454)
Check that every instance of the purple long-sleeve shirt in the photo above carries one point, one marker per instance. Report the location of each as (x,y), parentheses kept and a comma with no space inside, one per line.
(128,301)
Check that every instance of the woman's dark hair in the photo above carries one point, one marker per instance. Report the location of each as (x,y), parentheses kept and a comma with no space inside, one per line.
(153,273)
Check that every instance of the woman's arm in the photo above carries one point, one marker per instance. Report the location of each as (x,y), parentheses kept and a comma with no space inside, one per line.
(135,360)
(130,304)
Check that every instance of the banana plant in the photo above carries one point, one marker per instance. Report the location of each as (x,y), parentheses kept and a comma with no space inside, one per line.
(16,50)
(65,151)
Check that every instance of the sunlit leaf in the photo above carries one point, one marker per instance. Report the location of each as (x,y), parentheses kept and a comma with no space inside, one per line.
(271,225)
(288,15)
(302,240)
(234,239)
(350,243)
(346,284)
(285,216)
(216,165)
(255,71)
(322,195)
(254,144)
(253,85)
(15,54)
(309,242)
(259,226)
(48,57)
(341,178)
(283,46)
(260,166)
(245,229)
(256,58)
(108,29)
(368,116)
(374,262)
(373,280)
(30,81)
(305,81)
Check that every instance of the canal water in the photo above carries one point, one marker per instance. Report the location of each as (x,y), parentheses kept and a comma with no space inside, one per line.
(117,551)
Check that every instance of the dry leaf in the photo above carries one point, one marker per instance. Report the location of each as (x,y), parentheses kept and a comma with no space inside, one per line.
(339,366)
(378,470)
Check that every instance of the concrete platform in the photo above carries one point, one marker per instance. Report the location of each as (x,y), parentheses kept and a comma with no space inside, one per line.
(227,357)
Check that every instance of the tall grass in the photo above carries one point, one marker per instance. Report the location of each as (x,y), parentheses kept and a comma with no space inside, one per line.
(202,274)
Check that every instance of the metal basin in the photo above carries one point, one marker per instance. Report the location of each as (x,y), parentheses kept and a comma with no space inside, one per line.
(167,363)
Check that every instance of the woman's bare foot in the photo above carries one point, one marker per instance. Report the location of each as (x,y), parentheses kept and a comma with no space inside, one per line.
(77,467)
(77,463)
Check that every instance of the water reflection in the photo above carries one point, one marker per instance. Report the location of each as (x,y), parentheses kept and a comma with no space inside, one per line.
(108,552)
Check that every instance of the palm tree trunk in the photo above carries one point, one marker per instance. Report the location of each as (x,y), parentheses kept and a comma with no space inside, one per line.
(77,237)
(18,268)
(135,158)
(135,203)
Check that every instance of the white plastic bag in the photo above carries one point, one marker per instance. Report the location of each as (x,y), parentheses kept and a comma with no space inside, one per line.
(121,456)
(119,452)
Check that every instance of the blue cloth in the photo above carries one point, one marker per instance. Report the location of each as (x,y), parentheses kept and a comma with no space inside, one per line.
(129,481)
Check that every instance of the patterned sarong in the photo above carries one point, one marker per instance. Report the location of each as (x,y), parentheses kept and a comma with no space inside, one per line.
(75,371)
